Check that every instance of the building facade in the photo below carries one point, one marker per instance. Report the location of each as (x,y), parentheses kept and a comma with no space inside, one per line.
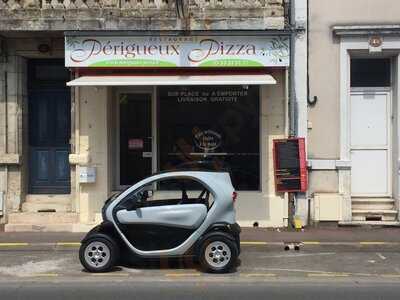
(96,95)
(353,136)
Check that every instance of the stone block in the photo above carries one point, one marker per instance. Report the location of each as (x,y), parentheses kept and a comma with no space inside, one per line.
(38,228)
(79,159)
(40,207)
(9,159)
(34,218)
(147,15)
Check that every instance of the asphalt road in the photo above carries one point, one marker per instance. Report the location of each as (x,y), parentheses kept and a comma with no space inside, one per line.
(265,272)
(193,291)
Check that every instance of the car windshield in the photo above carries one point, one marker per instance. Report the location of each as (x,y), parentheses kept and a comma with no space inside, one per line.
(115,195)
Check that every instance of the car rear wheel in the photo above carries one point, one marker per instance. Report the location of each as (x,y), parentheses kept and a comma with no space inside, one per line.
(98,254)
(218,254)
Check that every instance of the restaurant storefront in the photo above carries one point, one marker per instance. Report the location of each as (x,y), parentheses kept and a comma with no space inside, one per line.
(148,104)
(100,112)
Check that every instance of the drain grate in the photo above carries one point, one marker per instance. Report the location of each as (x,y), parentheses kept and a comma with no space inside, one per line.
(47,210)
(373,218)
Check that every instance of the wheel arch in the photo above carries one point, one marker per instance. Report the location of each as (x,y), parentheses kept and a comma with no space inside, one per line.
(227,230)
(106,230)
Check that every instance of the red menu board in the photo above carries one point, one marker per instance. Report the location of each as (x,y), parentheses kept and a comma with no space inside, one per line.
(290,165)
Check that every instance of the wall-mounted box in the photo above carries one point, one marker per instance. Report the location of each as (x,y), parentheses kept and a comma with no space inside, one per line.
(328,207)
(87,174)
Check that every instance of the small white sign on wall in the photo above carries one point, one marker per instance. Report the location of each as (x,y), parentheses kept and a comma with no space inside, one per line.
(87,174)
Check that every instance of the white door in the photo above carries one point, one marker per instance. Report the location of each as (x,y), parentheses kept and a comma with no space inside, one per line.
(370,143)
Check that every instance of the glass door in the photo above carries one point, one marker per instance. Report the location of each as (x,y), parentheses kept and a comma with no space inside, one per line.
(135,137)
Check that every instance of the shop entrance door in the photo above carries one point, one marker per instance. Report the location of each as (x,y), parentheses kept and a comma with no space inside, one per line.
(135,137)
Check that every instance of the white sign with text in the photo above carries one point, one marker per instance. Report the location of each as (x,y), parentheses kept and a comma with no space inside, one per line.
(167,51)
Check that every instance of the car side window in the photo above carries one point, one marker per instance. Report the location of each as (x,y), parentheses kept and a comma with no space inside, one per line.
(137,198)
(169,191)
(180,191)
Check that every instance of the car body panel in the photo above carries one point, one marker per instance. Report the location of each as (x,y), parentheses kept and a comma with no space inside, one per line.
(188,216)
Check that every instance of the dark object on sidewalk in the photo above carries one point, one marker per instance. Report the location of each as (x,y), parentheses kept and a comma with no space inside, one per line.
(292,246)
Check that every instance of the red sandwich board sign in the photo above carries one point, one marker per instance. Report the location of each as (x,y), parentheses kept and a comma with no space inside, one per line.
(290,165)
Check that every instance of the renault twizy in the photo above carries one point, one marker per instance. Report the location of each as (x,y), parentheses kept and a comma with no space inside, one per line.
(172,214)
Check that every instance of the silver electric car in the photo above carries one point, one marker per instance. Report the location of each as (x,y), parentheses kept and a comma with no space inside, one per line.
(171,214)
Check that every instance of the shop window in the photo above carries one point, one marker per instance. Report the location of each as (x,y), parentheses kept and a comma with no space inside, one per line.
(211,128)
(370,72)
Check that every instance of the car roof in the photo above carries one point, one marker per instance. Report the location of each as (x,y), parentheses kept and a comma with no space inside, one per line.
(187,170)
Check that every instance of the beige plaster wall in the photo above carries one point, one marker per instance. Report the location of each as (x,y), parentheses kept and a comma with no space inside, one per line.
(266,207)
(13,95)
(323,181)
(323,140)
(93,143)
(324,75)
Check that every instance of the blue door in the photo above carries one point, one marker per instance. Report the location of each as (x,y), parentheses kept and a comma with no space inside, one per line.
(49,135)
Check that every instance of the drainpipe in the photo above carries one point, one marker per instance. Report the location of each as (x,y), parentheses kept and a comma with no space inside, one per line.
(5,192)
(292,90)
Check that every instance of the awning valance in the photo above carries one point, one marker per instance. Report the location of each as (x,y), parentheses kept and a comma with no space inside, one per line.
(173,80)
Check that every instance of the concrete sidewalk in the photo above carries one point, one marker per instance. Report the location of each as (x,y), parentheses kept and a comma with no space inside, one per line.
(249,235)
(323,235)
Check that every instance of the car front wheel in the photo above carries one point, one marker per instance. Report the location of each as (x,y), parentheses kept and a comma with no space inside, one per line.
(98,254)
(218,254)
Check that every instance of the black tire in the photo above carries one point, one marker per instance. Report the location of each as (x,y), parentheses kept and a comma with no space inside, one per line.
(205,255)
(99,242)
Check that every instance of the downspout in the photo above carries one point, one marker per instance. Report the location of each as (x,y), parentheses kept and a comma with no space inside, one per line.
(5,112)
(309,102)
(77,151)
(292,91)
(5,192)
(295,30)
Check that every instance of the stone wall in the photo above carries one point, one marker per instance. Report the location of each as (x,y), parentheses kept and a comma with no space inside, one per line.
(13,94)
(59,15)
(14,170)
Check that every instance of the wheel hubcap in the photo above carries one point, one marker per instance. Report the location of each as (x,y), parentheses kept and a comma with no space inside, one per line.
(218,254)
(97,254)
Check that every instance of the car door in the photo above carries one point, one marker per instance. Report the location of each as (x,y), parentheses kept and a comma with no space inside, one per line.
(162,215)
